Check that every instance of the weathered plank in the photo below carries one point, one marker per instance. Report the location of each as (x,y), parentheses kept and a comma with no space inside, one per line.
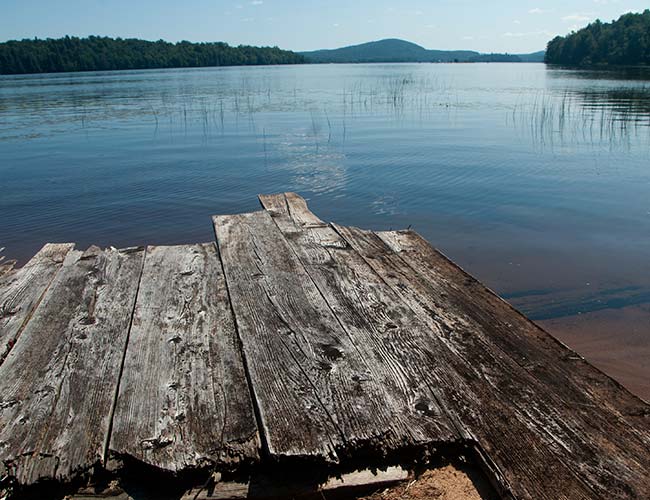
(459,294)
(372,318)
(183,400)
(461,389)
(311,384)
(58,384)
(355,344)
(21,291)
(593,463)
(609,408)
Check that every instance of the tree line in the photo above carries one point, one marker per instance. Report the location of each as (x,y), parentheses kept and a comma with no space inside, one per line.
(622,42)
(502,58)
(102,53)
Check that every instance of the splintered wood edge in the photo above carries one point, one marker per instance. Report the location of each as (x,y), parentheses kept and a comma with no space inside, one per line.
(352,480)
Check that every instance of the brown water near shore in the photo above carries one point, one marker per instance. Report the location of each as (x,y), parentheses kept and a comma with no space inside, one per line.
(598,305)
(614,340)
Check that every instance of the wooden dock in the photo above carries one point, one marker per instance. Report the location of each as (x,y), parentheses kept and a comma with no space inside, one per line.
(295,343)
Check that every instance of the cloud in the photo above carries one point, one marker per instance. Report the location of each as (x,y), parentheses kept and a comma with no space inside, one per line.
(468,38)
(516,21)
(536,10)
(257,2)
(510,34)
(578,18)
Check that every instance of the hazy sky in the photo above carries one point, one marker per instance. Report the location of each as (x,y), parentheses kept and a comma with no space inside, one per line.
(502,26)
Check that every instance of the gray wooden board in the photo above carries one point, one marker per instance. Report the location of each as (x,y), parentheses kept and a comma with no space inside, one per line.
(353,342)
(58,384)
(464,391)
(22,289)
(310,381)
(501,400)
(371,317)
(183,398)
(581,386)
(459,294)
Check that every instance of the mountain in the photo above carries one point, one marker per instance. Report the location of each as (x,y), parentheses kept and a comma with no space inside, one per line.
(536,57)
(395,50)
(389,50)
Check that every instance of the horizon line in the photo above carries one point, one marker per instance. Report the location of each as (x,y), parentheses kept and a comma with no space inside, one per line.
(115,37)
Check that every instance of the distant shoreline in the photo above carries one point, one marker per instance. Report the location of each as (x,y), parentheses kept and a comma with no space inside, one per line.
(250,66)
(92,54)
(72,54)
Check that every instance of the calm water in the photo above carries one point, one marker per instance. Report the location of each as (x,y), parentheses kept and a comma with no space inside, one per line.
(536,180)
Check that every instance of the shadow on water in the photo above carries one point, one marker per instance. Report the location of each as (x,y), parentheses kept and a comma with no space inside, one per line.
(604,73)
(541,305)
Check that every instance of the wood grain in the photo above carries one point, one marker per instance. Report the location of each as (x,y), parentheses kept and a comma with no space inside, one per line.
(184,400)
(313,387)
(296,339)
(22,289)
(586,461)
(465,393)
(58,384)
(373,319)
(458,294)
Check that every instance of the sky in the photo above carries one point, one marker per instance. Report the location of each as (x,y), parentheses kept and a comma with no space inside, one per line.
(515,26)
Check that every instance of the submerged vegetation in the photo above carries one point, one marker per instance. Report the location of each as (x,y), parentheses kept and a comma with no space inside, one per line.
(622,42)
(103,53)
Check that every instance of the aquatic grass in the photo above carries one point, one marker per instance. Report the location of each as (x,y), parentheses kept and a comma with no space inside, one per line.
(602,119)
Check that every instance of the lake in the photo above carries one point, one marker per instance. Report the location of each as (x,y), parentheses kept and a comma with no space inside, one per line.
(534,179)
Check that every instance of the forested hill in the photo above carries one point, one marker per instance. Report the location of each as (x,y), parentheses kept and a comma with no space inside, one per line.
(395,50)
(390,50)
(622,42)
(99,53)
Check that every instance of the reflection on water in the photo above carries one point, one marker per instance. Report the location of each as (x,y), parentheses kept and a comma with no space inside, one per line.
(534,178)
(572,106)
(35,106)
(313,164)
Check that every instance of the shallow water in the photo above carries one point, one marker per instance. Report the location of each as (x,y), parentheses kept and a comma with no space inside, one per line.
(535,180)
